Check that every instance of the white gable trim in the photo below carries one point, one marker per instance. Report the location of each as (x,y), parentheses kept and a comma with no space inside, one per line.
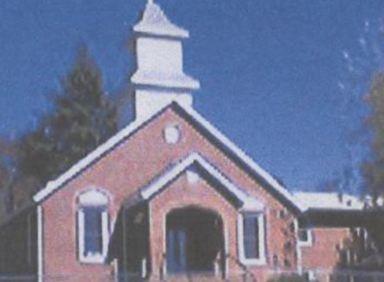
(52,186)
(40,244)
(248,203)
(245,158)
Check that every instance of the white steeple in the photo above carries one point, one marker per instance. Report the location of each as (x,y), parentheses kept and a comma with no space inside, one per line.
(159,77)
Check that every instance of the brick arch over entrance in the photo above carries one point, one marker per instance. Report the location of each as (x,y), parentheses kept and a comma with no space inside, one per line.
(181,194)
(194,241)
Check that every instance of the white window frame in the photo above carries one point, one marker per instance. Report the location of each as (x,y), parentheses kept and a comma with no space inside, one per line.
(93,199)
(309,241)
(261,228)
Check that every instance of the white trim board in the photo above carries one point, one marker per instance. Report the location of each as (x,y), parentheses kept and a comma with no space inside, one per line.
(329,201)
(92,198)
(52,186)
(40,244)
(245,158)
(248,203)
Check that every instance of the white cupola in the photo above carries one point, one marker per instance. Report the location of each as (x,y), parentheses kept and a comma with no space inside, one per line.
(159,78)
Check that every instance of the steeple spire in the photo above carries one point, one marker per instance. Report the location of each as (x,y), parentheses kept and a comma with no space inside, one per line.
(159,78)
(155,22)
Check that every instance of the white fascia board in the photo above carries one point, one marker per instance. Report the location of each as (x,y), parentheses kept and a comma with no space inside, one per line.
(329,201)
(245,158)
(247,201)
(52,186)
(40,244)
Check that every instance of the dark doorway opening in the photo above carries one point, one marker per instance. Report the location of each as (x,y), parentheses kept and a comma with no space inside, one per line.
(194,240)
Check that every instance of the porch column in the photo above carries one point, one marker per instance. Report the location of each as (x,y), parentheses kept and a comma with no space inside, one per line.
(157,244)
(124,231)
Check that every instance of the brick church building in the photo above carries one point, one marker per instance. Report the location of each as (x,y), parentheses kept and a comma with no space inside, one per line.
(170,197)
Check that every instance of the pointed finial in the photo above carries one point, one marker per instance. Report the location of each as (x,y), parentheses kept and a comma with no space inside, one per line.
(150,2)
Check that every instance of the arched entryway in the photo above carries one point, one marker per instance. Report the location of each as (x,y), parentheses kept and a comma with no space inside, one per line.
(194,241)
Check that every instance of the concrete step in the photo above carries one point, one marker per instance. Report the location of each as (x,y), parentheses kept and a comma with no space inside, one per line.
(193,278)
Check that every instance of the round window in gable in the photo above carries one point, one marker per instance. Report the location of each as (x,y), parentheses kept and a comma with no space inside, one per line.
(172,134)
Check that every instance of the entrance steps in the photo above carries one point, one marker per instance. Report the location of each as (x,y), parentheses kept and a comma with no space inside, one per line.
(202,278)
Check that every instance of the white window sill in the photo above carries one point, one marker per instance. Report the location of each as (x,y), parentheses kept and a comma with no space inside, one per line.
(254,262)
(93,259)
(304,244)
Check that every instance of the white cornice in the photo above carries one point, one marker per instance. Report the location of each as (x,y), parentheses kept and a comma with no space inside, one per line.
(171,80)
(54,185)
(247,202)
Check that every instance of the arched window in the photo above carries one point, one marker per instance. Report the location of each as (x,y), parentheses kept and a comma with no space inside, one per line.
(93,226)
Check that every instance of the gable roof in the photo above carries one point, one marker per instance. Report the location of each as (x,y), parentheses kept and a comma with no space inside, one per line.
(246,202)
(201,123)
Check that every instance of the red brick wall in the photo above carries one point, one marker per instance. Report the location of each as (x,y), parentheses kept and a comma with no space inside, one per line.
(132,165)
(323,253)
(180,194)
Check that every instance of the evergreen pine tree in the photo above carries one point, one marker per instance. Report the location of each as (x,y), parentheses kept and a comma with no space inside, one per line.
(83,117)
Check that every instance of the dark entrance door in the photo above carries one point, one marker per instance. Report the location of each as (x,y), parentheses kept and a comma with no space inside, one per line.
(194,240)
(176,250)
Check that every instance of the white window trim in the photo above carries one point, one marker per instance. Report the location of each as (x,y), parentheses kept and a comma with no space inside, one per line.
(307,243)
(96,258)
(240,225)
(93,197)
(100,200)
(40,244)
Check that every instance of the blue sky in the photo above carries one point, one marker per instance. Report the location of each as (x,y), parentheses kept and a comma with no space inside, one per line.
(269,69)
